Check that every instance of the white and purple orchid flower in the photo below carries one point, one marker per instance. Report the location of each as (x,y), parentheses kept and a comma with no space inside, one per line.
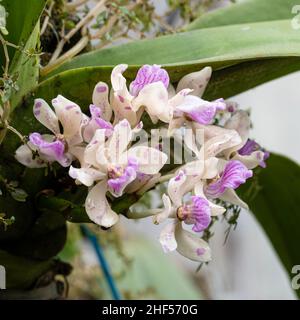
(196,211)
(100,153)
(58,146)
(113,165)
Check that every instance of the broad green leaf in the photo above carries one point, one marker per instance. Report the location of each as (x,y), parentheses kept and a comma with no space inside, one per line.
(245,12)
(238,78)
(23,16)
(275,204)
(242,56)
(219,47)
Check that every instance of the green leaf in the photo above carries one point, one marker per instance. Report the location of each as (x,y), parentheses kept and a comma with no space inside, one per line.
(245,12)
(23,27)
(238,78)
(218,47)
(243,56)
(22,18)
(275,204)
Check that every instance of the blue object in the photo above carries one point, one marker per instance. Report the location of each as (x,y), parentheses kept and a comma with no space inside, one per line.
(103,263)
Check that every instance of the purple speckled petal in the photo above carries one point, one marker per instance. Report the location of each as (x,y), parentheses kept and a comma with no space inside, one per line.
(202,116)
(96,122)
(251,146)
(102,124)
(200,251)
(148,74)
(52,151)
(197,213)
(95,111)
(199,110)
(121,177)
(235,173)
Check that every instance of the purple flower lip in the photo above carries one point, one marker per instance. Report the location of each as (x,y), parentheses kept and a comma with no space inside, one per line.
(105,125)
(197,212)
(101,123)
(148,74)
(251,146)
(203,116)
(95,111)
(120,177)
(235,173)
(53,151)
(199,110)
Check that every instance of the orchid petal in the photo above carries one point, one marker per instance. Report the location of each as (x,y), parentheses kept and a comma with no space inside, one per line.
(97,142)
(96,122)
(70,116)
(216,210)
(191,246)
(150,160)
(121,181)
(222,142)
(53,150)
(233,175)
(166,213)
(167,238)
(241,123)
(200,110)
(45,115)
(190,141)
(123,110)
(24,156)
(149,184)
(121,98)
(230,196)
(149,74)
(98,208)
(250,161)
(119,141)
(118,81)
(78,153)
(179,97)
(86,176)
(196,212)
(211,168)
(175,188)
(154,97)
(197,81)
(100,99)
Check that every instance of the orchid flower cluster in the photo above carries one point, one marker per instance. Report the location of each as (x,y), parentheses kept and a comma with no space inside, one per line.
(100,151)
